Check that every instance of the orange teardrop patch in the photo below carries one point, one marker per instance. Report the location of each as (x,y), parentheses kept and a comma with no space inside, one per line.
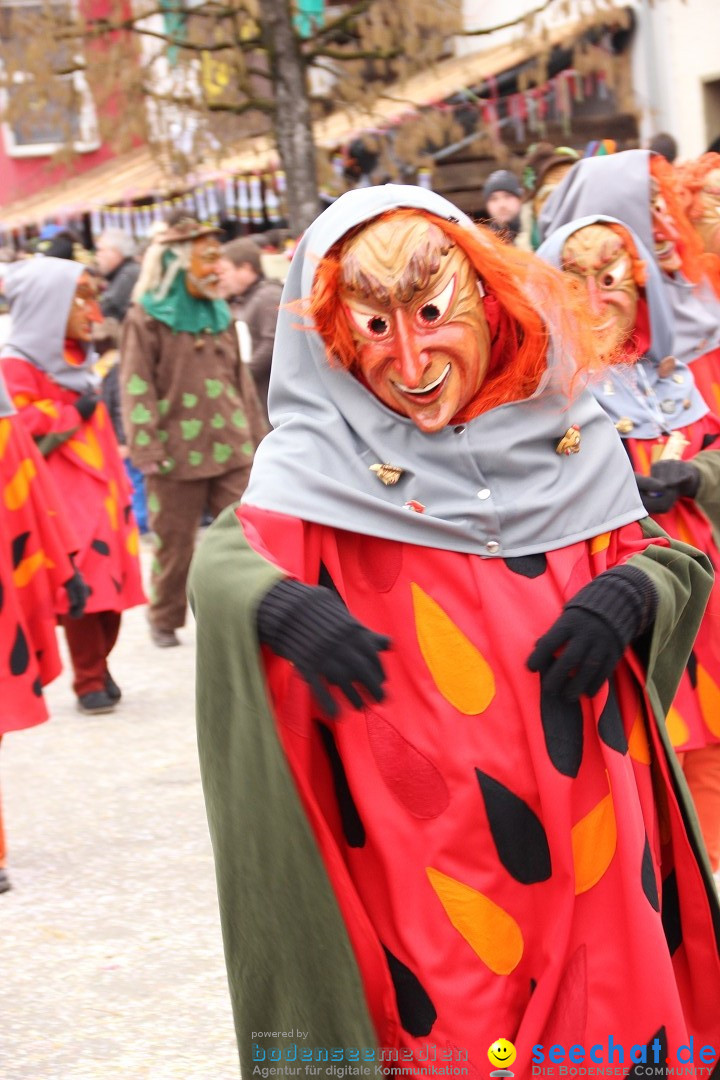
(88,449)
(459,670)
(594,838)
(5,429)
(488,929)
(28,568)
(599,543)
(677,729)
(18,489)
(709,695)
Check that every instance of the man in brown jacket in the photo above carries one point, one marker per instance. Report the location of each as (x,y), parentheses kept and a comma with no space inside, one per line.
(253,300)
(191,412)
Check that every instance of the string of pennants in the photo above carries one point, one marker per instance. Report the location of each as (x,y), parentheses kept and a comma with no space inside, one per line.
(531,109)
(254,200)
(258,200)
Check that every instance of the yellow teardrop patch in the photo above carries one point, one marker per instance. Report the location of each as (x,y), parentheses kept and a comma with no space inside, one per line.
(709,694)
(88,449)
(488,929)
(599,543)
(459,670)
(18,489)
(133,541)
(677,729)
(28,568)
(5,428)
(594,838)
(638,744)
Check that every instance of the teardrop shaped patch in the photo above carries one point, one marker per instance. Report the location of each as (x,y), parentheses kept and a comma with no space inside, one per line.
(488,929)
(459,670)
(647,876)
(353,828)
(562,723)
(709,695)
(408,774)
(610,724)
(416,1010)
(517,831)
(594,839)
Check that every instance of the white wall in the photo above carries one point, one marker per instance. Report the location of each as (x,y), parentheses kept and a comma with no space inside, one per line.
(677,48)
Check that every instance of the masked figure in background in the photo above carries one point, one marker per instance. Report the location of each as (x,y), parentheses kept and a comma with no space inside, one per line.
(489,832)
(48,367)
(36,575)
(641,190)
(700,180)
(545,167)
(191,412)
(656,408)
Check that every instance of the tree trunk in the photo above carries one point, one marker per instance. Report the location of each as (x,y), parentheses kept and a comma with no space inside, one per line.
(293,119)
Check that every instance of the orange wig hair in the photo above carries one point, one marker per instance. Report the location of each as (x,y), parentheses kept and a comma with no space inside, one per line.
(531,298)
(692,178)
(696,262)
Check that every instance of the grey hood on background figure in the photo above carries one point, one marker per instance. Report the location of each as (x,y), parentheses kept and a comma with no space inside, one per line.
(493,486)
(40,292)
(6,406)
(654,404)
(618,185)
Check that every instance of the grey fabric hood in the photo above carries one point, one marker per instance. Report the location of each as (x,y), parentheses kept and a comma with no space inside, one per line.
(493,486)
(40,292)
(653,403)
(618,185)
(6,406)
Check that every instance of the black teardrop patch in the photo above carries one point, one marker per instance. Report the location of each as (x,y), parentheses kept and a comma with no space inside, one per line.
(326,580)
(531,566)
(692,669)
(18,548)
(517,831)
(353,828)
(20,655)
(116,583)
(708,440)
(647,875)
(101,547)
(37,687)
(655,1055)
(610,724)
(562,723)
(671,912)
(416,1010)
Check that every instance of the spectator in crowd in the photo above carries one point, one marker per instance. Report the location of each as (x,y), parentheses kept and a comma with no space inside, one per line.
(502,196)
(115,254)
(191,412)
(254,301)
(665,145)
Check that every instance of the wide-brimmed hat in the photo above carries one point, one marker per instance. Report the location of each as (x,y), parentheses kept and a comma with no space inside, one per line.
(187,228)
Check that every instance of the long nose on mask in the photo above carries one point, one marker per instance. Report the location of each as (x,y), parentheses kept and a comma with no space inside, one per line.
(597,303)
(411,360)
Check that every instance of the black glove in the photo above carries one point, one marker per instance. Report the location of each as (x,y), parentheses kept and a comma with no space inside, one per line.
(86,404)
(593,631)
(657,497)
(77,593)
(681,475)
(310,626)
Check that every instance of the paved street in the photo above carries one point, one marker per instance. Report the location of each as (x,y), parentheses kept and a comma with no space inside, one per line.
(110,951)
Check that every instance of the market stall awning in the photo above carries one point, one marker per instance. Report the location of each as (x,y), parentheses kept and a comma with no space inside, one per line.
(138,174)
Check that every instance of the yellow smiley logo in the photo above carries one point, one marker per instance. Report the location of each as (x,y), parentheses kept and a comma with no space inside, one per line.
(502,1053)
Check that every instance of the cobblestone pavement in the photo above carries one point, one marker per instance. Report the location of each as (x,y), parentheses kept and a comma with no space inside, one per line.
(110,952)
